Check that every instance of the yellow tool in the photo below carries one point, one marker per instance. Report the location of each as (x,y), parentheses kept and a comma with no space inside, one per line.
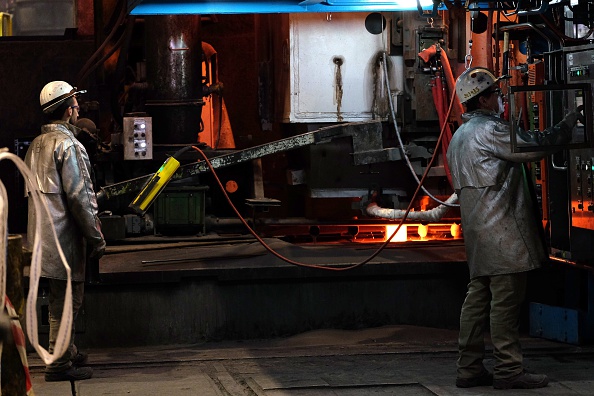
(5,24)
(156,184)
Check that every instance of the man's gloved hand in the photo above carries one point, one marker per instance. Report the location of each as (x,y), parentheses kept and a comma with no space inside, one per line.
(98,250)
(580,114)
(571,119)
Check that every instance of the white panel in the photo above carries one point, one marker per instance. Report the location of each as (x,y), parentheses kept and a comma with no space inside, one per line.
(316,40)
(138,138)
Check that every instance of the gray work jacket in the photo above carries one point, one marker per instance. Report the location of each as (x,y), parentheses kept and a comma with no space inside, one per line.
(61,169)
(501,232)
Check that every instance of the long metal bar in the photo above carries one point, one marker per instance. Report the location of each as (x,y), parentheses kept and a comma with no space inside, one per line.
(322,135)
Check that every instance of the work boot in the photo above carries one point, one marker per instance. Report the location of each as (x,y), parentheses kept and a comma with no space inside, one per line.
(523,380)
(72,374)
(483,379)
(81,359)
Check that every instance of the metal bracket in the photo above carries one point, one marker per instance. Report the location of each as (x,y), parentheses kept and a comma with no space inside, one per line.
(544,5)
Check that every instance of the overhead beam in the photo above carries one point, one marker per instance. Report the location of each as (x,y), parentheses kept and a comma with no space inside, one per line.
(206,7)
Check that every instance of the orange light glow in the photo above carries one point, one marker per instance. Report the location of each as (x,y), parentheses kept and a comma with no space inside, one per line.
(410,232)
(401,236)
(456,230)
(422,230)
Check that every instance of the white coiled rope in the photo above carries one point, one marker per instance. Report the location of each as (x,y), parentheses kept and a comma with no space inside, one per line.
(64,333)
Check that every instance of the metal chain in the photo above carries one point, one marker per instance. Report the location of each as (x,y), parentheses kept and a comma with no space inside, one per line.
(468,57)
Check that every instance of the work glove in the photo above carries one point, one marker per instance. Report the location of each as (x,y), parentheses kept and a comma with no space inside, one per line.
(98,250)
(572,118)
(559,134)
(562,132)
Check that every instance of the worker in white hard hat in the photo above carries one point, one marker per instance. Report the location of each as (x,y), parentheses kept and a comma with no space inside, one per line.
(503,237)
(61,170)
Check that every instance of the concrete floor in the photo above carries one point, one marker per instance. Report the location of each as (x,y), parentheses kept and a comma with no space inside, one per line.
(389,360)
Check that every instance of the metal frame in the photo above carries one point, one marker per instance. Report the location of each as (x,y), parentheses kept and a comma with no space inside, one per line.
(551,89)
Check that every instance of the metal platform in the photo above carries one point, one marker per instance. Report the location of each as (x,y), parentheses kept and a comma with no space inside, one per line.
(188,291)
(244,258)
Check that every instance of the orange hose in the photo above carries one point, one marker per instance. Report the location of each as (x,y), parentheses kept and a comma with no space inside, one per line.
(327,267)
(429,53)
(440,100)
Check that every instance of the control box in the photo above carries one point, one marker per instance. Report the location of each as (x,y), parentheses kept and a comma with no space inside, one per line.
(579,67)
(138,137)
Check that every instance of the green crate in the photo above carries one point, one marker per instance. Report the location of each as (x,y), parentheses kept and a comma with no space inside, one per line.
(180,211)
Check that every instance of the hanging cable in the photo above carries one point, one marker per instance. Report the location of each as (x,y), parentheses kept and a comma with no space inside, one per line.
(328,267)
(349,266)
(332,267)
(401,144)
(440,99)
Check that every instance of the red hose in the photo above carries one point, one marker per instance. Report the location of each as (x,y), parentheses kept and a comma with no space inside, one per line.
(440,99)
(429,53)
(448,134)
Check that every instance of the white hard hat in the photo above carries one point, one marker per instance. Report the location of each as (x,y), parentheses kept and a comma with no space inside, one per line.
(474,81)
(54,93)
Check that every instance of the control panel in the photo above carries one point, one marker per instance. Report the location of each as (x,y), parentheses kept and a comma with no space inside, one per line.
(580,70)
(578,73)
(138,138)
(582,187)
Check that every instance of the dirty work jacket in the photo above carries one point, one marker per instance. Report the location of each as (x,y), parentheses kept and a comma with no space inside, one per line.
(61,169)
(501,233)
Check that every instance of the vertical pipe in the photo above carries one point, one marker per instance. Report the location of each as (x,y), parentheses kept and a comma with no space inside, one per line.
(174,74)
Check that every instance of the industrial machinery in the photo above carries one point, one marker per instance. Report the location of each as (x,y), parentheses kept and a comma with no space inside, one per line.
(341,103)
(400,74)
(298,97)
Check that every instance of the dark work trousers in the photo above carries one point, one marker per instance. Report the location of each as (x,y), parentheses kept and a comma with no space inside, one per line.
(498,298)
(57,293)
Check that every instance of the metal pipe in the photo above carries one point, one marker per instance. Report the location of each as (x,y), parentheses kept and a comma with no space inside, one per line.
(174,74)
(433,215)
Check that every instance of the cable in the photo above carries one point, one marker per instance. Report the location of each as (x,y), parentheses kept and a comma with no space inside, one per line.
(331,267)
(440,98)
(106,56)
(327,267)
(419,182)
(84,70)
